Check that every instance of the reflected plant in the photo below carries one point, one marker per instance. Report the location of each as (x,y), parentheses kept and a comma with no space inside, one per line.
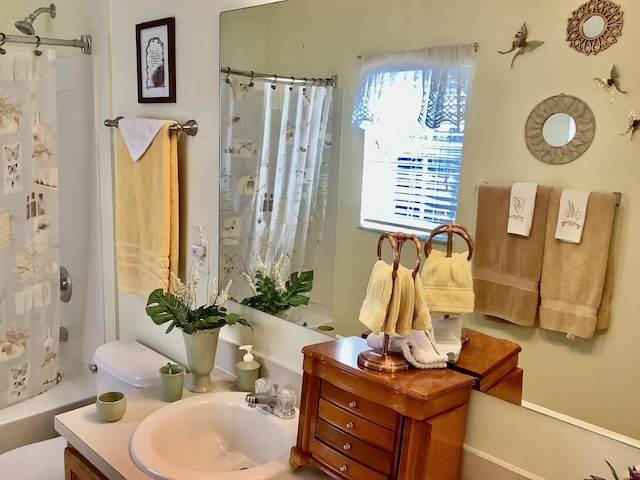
(634,474)
(274,295)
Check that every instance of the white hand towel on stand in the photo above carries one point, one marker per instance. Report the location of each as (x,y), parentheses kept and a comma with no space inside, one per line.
(138,133)
(571,215)
(521,207)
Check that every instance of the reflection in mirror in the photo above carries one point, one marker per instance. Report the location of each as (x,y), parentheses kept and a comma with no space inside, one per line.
(579,378)
(275,164)
(559,129)
(593,26)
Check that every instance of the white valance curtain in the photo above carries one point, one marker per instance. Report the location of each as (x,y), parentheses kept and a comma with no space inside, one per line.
(274,176)
(443,74)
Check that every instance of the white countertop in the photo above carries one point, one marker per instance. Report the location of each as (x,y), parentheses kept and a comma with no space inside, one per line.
(106,445)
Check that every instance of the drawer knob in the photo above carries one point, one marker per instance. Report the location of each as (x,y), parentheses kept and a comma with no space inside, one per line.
(346,446)
(343,468)
(349,425)
(353,404)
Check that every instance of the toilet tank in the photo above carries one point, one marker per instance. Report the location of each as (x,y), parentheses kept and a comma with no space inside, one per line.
(125,365)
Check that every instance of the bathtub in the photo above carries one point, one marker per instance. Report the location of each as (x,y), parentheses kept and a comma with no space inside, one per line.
(32,420)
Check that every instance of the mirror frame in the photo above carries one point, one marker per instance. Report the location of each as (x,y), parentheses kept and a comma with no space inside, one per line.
(585,129)
(612,16)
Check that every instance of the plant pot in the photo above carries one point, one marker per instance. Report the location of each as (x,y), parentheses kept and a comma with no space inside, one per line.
(201,357)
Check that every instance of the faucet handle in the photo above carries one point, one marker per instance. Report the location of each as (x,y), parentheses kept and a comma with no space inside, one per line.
(285,408)
(264,385)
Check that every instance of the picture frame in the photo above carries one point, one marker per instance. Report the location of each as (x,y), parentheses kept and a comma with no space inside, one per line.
(155,46)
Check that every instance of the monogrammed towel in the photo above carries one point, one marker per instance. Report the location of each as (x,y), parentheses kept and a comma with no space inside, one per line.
(576,281)
(521,207)
(572,213)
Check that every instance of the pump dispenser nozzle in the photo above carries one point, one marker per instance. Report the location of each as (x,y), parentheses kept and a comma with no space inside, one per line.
(248,357)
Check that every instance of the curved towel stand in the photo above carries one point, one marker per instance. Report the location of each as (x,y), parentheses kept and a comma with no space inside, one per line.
(397,240)
(450,229)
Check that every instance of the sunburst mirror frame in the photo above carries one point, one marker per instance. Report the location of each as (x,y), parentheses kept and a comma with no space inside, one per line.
(610,14)
(585,129)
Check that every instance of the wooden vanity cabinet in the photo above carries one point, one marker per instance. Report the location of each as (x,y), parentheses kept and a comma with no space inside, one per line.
(76,467)
(362,424)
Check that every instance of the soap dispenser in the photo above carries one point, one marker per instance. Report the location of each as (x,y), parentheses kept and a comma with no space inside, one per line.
(247,370)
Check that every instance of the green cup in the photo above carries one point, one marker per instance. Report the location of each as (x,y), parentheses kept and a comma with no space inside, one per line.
(111,406)
(172,382)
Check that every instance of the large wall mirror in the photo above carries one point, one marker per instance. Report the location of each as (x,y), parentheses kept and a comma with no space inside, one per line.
(305,38)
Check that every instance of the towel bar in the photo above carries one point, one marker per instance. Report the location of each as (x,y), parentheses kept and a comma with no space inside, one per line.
(190,127)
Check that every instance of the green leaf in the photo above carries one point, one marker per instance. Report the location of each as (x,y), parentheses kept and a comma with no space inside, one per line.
(615,475)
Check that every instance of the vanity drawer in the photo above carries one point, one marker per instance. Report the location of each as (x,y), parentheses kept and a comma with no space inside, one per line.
(354,448)
(372,411)
(341,464)
(356,426)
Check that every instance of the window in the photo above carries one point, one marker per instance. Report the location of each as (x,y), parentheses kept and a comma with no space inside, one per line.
(413,122)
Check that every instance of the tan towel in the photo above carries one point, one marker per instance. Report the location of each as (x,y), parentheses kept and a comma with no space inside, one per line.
(147,215)
(506,268)
(572,287)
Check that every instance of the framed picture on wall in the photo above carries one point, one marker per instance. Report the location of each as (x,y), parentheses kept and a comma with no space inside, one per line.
(155,44)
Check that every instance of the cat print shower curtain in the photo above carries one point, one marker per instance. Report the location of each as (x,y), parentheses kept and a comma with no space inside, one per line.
(29,248)
(274,177)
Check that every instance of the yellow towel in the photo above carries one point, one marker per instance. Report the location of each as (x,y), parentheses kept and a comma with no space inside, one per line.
(147,215)
(400,315)
(376,302)
(574,280)
(506,268)
(448,284)
(421,313)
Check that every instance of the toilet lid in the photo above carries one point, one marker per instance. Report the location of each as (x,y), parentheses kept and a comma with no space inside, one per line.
(130,362)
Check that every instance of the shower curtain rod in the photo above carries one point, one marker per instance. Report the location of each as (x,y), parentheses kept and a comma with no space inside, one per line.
(84,44)
(273,78)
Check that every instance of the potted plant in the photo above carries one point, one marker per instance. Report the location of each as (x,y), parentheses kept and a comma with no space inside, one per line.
(200,325)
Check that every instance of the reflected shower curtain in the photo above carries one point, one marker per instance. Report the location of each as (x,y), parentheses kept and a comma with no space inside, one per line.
(275,142)
(29,248)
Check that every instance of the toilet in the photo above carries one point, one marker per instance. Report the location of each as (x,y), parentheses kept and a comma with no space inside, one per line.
(124,366)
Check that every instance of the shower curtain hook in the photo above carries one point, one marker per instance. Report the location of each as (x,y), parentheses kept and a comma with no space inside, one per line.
(251,84)
(293,81)
(228,73)
(4,39)
(275,79)
(36,51)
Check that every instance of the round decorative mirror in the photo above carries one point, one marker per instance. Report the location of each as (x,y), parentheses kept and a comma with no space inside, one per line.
(594,26)
(559,129)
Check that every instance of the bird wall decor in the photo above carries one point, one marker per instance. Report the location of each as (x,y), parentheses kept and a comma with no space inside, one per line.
(610,84)
(634,123)
(520,42)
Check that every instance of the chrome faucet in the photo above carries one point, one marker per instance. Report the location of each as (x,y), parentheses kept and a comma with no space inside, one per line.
(268,402)
(280,404)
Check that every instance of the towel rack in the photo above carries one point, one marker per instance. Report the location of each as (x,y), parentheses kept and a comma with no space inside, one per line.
(190,127)
(450,228)
(386,361)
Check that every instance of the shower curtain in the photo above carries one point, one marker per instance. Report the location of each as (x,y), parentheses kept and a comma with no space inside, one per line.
(29,248)
(274,169)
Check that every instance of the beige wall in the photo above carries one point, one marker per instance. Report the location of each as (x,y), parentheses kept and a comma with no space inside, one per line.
(575,377)
(509,435)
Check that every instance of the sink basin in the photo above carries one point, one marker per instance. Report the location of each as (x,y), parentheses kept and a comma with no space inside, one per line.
(213,436)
